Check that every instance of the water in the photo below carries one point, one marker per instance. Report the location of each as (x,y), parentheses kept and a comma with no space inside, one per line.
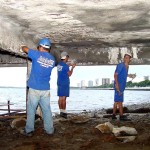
(78,101)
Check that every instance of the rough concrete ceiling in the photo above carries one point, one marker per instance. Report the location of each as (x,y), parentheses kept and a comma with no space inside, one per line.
(93,32)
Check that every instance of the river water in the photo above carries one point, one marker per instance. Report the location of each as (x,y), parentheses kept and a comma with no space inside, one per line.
(78,101)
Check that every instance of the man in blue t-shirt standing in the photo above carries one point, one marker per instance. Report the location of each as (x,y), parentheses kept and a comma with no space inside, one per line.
(63,82)
(39,86)
(120,77)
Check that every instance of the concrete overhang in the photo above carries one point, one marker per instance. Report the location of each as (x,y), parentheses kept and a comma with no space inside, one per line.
(93,32)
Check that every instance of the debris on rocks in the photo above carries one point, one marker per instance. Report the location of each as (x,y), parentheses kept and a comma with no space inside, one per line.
(105,128)
(124,131)
(126,139)
(124,134)
(18,123)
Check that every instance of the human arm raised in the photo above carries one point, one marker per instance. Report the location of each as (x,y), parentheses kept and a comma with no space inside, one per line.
(71,71)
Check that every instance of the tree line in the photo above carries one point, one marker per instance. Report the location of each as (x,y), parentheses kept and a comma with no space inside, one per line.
(145,83)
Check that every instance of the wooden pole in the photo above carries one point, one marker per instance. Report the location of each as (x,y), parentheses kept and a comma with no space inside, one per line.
(26,85)
(8,107)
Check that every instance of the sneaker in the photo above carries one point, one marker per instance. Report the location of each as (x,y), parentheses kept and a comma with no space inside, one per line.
(23,132)
(124,118)
(114,117)
(64,115)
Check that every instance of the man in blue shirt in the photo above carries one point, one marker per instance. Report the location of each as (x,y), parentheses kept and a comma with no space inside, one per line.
(120,77)
(39,86)
(63,82)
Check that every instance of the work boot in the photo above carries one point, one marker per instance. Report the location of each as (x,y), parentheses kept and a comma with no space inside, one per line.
(64,115)
(23,132)
(50,134)
(114,117)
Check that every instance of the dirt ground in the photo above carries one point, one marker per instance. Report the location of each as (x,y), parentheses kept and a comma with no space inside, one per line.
(74,135)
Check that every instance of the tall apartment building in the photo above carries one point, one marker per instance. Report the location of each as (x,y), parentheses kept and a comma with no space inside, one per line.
(146,77)
(83,84)
(90,83)
(105,81)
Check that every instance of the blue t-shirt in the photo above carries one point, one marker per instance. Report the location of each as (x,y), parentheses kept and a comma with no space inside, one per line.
(62,71)
(122,75)
(42,65)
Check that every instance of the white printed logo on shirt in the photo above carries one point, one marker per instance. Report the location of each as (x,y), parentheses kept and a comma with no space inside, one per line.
(59,68)
(45,62)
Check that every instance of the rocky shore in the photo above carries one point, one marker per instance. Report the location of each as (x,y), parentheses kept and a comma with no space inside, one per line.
(79,132)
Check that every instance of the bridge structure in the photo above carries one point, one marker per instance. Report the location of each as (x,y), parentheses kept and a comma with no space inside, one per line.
(93,32)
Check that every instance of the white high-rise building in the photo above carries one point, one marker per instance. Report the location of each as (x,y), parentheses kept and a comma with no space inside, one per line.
(146,77)
(105,81)
(90,83)
(83,83)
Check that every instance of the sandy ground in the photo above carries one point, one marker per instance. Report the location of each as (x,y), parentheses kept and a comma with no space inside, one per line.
(71,134)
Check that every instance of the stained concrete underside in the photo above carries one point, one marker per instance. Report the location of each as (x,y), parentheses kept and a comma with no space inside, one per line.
(93,32)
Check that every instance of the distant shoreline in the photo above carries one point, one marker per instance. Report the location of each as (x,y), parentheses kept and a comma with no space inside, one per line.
(88,88)
(135,89)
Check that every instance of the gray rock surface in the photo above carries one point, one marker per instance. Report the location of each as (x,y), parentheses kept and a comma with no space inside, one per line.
(93,32)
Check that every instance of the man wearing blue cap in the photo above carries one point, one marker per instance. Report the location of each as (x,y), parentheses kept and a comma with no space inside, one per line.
(39,86)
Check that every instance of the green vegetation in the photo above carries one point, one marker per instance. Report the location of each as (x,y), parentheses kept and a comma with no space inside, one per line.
(105,86)
(145,83)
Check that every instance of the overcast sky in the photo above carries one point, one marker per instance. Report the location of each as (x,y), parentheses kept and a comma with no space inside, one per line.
(16,76)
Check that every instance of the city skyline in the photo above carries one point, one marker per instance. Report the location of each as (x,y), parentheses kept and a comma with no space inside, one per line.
(16,76)
(99,72)
(95,82)
(104,81)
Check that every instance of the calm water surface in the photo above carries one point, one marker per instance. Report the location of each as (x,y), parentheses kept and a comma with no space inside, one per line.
(78,101)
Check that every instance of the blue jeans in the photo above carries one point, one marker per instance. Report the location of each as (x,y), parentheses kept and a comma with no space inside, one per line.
(41,97)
